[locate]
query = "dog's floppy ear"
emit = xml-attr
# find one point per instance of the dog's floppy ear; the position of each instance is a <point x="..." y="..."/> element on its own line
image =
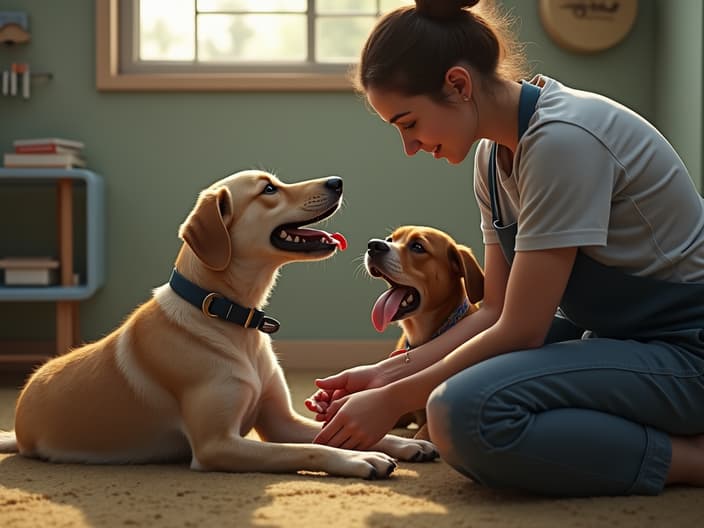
<point x="205" y="230"/>
<point x="467" y="265"/>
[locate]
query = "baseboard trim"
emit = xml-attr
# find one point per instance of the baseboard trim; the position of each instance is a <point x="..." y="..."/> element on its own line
<point x="331" y="355"/>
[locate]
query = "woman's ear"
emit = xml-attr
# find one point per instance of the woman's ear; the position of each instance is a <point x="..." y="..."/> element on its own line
<point x="458" y="81"/>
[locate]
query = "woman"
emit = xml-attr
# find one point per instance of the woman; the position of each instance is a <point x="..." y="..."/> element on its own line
<point x="588" y="213"/>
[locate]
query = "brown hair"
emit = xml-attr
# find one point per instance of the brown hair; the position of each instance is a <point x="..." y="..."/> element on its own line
<point x="410" y="49"/>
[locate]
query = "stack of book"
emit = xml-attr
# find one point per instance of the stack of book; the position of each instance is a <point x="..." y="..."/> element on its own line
<point x="45" y="152"/>
<point x="29" y="271"/>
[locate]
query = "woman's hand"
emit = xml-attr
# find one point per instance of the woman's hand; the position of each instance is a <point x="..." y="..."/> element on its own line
<point x="342" y="384"/>
<point x="359" y="421"/>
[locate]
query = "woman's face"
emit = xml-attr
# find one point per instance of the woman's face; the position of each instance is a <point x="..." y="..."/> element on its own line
<point x="445" y="130"/>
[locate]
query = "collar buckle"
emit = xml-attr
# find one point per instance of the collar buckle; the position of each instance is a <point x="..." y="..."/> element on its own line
<point x="207" y="301"/>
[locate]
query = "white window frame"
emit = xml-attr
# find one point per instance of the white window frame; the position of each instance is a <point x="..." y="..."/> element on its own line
<point x="110" y="76"/>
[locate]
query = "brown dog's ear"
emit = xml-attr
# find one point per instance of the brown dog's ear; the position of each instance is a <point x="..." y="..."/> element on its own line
<point x="205" y="230"/>
<point x="471" y="271"/>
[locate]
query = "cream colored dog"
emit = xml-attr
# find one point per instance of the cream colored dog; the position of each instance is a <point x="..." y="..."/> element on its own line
<point x="189" y="374"/>
<point x="433" y="283"/>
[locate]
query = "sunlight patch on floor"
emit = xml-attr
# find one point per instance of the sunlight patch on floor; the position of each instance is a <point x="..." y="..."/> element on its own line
<point x="355" y="502"/>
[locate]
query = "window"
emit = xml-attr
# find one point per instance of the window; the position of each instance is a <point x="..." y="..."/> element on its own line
<point x="232" y="44"/>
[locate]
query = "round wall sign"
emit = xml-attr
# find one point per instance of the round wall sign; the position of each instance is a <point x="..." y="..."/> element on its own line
<point x="588" y="26"/>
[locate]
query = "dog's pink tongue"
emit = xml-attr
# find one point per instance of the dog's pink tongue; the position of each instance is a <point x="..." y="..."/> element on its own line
<point x="386" y="307"/>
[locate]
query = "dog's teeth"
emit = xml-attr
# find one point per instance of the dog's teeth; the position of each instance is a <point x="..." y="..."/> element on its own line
<point x="297" y="239"/>
<point x="409" y="299"/>
<point x="289" y="238"/>
<point x="404" y="303"/>
<point x="283" y="234"/>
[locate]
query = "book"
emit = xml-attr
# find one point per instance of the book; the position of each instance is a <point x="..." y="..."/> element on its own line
<point x="46" y="148"/>
<point x="59" y="142"/>
<point x="31" y="277"/>
<point x="64" y="160"/>
<point x="30" y="271"/>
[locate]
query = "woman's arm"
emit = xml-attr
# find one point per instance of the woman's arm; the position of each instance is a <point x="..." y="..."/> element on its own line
<point x="534" y="289"/>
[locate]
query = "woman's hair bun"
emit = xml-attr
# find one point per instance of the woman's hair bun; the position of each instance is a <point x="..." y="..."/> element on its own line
<point x="443" y="9"/>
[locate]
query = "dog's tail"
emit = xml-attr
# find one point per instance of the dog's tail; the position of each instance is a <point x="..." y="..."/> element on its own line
<point x="8" y="442"/>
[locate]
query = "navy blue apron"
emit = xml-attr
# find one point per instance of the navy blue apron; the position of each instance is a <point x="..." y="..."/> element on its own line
<point x="605" y="300"/>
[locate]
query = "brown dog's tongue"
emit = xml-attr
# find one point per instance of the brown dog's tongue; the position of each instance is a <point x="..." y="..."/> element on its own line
<point x="386" y="307"/>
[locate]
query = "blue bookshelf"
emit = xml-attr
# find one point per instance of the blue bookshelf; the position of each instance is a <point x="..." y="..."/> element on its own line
<point x="94" y="235"/>
<point x="66" y="295"/>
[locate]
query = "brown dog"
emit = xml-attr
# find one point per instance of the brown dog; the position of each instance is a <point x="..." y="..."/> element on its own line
<point x="192" y="370"/>
<point x="434" y="282"/>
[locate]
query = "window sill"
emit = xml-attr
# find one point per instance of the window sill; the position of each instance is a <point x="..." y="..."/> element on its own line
<point x="219" y="82"/>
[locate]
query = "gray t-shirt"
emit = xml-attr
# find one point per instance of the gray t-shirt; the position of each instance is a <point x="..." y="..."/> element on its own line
<point x="591" y="173"/>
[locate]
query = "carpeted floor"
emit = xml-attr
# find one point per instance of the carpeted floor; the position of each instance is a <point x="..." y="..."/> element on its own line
<point x="37" y="494"/>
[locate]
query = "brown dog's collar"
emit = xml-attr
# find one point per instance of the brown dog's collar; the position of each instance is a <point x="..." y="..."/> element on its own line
<point x="218" y="306"/>
<point x="451" y="321"/>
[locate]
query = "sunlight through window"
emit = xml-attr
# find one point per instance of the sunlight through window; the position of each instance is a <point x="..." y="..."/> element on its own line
<point x="236" y="33"/>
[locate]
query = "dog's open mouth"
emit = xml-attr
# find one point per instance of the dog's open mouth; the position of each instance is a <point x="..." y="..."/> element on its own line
<point x="295" y="237"/>
<point x="394" y="304"/>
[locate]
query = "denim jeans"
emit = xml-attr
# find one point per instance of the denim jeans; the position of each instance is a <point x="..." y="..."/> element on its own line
<point x="579" y="417"/>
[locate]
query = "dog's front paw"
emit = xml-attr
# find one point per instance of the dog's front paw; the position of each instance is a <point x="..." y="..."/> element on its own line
<point x="407" y="449"/>
<point x="369" y="465"/>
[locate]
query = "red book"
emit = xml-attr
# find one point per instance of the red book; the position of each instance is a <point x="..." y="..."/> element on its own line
<point x="43" y="149"/>
<point x="23" y="145"/>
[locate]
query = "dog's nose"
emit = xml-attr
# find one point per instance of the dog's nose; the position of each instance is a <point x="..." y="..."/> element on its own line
<point x="376" y="246"/>
<point x="334" y="183"/>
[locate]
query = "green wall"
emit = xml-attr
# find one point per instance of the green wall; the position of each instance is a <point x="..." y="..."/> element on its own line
<point x="678" y="103"/>
<point x="157" y="150"/>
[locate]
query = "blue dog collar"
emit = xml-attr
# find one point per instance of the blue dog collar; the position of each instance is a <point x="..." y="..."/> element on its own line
<point x="218" y="306"/>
